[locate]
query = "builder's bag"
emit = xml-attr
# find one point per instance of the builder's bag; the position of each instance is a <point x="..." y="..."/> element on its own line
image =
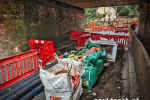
<point x="63" y="81"/>
<point x="90" y="75"/>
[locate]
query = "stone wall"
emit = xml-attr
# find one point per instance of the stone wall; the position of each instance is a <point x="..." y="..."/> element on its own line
<point x="144" y="26"/>
<point x="21" y="20"/>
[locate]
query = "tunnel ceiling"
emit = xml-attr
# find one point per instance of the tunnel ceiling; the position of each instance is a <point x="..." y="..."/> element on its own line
<point x="99" y="3"/>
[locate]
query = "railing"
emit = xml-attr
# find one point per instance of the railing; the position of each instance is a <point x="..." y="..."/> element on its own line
<point x="142" y="66"/>
<point x="17" y="67"/>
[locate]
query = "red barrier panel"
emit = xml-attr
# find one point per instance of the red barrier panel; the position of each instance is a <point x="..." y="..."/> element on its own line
<point x="136" y="24"/>
<point x="122" y="41"/>
<point x="74" y="34"/>
<point x="81" y="41"/>
<point x="102" y="28"/>
<point x="45" y="49"/>
<point x="36" y="44"/>
<point x="122" y="29"/>
<point x="16" y="67"/>
<point x="77" y="34"/>
<point x="46" y="52"/>
<point x="109" y="28"/>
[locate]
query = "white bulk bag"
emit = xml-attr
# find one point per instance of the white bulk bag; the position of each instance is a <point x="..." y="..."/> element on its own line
<point x="64" y="86"/>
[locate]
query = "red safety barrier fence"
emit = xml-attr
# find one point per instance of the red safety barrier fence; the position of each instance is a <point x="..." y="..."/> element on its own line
<point x="122" y="41"/>
<point x="136" y="24"/>
<point x="36" y="44"/>
<point x="77" y="34"/>
<point x="121" y="29"/>
<point x="111" y="28"/>
<point x="45" y="49"/>
<point x="46" y="52"/>
<point x="16" y="67"/>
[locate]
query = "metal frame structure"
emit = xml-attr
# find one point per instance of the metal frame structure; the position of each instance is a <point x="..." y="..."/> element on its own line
<point x="108" y="43"/>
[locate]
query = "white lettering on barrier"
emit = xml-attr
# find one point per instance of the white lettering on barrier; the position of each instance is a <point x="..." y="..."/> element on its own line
<point x="42" y="41"/>
<point x="36" y="41"/>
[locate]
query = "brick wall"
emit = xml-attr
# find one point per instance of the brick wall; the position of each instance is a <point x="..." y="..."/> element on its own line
<point x="21" y="20"/>
<point x="144" y="26"/>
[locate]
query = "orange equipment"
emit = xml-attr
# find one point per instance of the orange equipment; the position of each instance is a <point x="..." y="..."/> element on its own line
<point x="93" y="22"/>
<point x="132" y="22"/>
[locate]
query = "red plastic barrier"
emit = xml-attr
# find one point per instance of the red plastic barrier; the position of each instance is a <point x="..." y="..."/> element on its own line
<point x="110" y="28"/>
<point x="74" y="34"/>
<point x="90" y="26"/>
<point x="46" y="52"/>
<point x="136" y="24"/>
<point x="16" y="67"/>
<point x="36" y="44"/>
<point x="102" y="28"/>
<point x="122" y="29"/>
<point x="81" y="41"/>
<point x="122" y="41"/>
<point x="45" y="48"/>
<point x="95" y="34"/>
<point x="77" y="34"/>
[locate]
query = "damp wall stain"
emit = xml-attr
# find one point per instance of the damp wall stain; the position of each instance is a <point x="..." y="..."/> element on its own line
<point x="21" y="20"/>
<point x="144" y="26"/>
